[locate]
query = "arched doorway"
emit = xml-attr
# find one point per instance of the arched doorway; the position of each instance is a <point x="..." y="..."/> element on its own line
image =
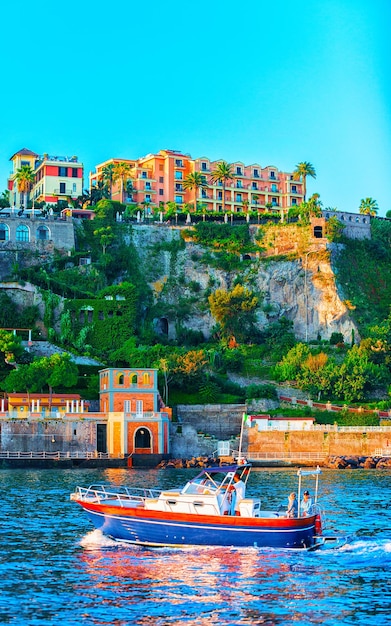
<point x="142" y="440"/>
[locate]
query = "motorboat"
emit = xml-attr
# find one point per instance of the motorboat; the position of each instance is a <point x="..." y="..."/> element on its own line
<point x="206" y="511"/>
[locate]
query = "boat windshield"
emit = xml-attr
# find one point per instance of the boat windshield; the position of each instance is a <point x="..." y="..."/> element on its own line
<point x="213" y="480"/>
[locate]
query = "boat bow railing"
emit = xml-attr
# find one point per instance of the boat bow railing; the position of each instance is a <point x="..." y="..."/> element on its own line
<point x="124" y="496"/>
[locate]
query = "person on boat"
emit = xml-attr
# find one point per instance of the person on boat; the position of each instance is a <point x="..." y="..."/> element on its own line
<point x="306" y="504"/>
<point x="292" y="506"/>
<point x="238" y="494"/>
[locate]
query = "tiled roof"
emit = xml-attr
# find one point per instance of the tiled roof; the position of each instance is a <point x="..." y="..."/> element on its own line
<point x="24" y="152"/>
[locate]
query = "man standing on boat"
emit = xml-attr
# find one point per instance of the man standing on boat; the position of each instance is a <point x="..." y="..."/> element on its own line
<point x="239" y="492"/>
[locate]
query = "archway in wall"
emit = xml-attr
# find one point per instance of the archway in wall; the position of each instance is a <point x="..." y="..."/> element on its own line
<point x="142" y="440"/>
<point x="318" y="232"/>
<point x="246" y="257"/>
<point x="163" y="325"/>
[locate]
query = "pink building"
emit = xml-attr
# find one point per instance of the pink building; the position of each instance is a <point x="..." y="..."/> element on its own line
<point x="158" y="179"/>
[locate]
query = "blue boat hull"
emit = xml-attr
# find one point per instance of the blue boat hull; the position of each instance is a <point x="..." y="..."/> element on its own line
<point x="204" y="532"/>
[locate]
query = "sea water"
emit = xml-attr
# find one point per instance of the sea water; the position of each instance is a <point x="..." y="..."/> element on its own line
<point x="56" y="569"/>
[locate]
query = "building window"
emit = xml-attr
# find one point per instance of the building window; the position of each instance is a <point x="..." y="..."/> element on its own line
<point x="74" y="172"/>
<point x="238" y="197"/>
<point x="178" y="175"/>
<point x="147" y="197"/>
<point x="74" y="187"/>
<point x="204" y="166"/>
<point x="179" y="199"/>
<point x="62" y="188"/>
<point x="294" y="189"/>
<point x="42" y="233"/>
<point x="274" y="202"/>
<point x="239" y="184"/>
<point x="22" y="233"/>
<point x="148" y="186"/>
<point x="133" y="379"/>
<point x="161" y="179"/>
<point x="144" y="175"/>
<point x="4" y="232"/>
<point x="239" y="171"/>
<point x="274" y="188"/>
<point x="294" y="201"/>
<point x="255" y="185"/>
<point x="203" y="193"/>
<point x="121" y="379"/>
<point x="272" y="174"/>
<point x="161" y="192"/>
<point x="219" y="195"/>
<point x="178" y="187"/>
<point x="256" y="173"/>
<point x="178" y="163"/>
<point x="63" y="171"/>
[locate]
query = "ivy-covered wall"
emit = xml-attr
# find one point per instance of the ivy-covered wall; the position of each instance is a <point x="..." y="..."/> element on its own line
<point x="104" y="324"/>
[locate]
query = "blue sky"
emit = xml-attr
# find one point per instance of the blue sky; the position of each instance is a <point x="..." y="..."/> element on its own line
<point x="279" y="83"/>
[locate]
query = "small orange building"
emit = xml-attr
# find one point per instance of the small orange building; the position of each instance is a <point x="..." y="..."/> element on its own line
<point x="137" y="420"/>
<point x="44" y="404"/>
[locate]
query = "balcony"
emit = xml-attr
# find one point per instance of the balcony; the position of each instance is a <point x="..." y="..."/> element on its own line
<point x="67" y="192"/>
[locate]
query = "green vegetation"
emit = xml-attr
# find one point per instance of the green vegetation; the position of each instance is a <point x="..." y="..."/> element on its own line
<point x="363" y="270"/>
<point x="132" y="307"/>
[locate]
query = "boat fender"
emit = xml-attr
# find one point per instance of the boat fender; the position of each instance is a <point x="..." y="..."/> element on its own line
<point x="318" y="525"/>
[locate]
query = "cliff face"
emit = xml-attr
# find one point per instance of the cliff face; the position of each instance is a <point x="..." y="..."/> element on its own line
<point x="303" y="290"/>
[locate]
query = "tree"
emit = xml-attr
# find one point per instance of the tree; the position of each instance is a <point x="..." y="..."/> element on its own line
<point x="301" y="172"/>
<point x="25" y="178"/>
<point x="121" y="173"/>
<point x="222" y="173"/>
<point x="100" y="191"/>
<point x="196" y="181"/>
<point x="368" y="206"/>
<point x="107" y="177"/>
<point x="10" y="345"/>
<point x="105" y="237"/>
<point x="4" y="199"/>
<point x="234" y="310"/>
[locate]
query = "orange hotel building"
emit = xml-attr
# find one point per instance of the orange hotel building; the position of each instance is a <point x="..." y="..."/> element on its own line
<point x="158" y="179"/>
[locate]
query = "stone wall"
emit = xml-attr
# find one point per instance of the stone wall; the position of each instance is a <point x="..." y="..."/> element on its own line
<point x="47" y="435"/>
<point x="327" y="443"/>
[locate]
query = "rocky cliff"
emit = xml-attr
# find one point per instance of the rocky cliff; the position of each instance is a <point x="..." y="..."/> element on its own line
<point x="303" y="289"/>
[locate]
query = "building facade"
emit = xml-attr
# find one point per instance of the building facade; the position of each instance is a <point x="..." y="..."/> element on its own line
<point x="159" y="178"/>
<point x="137" y="420"/>
<point x="132" y="419"/>
<point x="56" y="178"/>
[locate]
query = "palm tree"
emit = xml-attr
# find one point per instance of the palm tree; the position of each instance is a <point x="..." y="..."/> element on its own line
<point x="121" y="172"/>
<point x="25" y="178"/>
<point x="107" y="177"/>
<point x="196" y="181"/>
<point x="222" y="173"/>
<point x="368" y="206"/>
<point x="301" y="172"/>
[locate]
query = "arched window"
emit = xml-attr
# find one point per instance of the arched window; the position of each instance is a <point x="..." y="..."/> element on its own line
<point x="318" y="232"/>
<point x="133" y="379"/>
<point x="142" y="438"/>
<point x="22" y="233"/>
<point x="42" y="233"/>
<point x="4" y="232"/>
<point x="146" y="378"/>
<point x="121" y="379"/>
